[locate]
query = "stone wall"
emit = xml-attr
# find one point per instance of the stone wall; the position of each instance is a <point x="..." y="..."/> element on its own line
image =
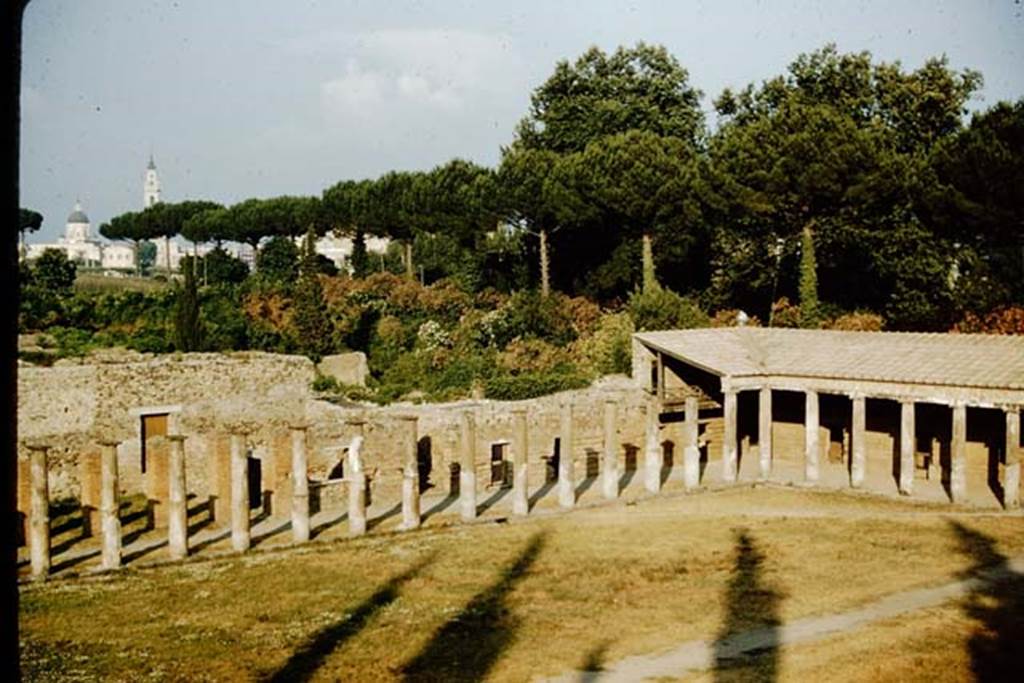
<point x="70" y="407"/>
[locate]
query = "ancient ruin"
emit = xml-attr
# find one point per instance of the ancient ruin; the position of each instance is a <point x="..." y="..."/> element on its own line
<point x="926" y="415"/>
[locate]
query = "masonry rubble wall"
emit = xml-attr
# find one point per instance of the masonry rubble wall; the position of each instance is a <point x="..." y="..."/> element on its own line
<point x="70" y="407"/>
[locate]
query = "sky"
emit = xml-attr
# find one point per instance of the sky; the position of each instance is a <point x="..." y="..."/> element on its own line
<point x="259" y="98"/>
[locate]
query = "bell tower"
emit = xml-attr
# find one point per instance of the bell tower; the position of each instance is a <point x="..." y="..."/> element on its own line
<point x="151" y="188"/>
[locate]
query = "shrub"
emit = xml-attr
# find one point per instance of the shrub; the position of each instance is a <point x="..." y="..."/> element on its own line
<point x="662" y="309"/>
<point x="858" y="321"/>
<point x="1006" y="320"/>
<point x="533" y="384"/>
<point x="609" y="350"/>
<point x="784" y="314"/>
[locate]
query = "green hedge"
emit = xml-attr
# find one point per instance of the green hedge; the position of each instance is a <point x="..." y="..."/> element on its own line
<point x="532" y="385"/>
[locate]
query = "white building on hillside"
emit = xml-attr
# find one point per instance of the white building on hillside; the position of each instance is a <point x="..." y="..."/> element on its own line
<point x="79" y="244"/>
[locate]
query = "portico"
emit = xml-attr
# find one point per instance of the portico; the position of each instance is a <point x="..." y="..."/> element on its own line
<point x="924" y="414"/>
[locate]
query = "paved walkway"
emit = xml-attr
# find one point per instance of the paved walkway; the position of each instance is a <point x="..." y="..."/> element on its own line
<point x="701" y="655"/>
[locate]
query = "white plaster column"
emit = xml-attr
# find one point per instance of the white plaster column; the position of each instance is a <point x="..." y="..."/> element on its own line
<point x="653" y="456"/>
<point x="467" y="465"/>
<point x="610" y="466"/>
<point x="764" y="431"/>
<point x="300" y="485"/>
<point x="858" y="462"/>
<point x="177" y="504"/>
<point x="1011" y="469"/>
<point x="691" y="452"/>
<point x="729" y="458"/>
<point x="356" y="487"/>
<point x="110" y="505"/>
<point x="240" y="529"/>
<point x="811" y="438"/>
<point x="566" y="482"/>
<point x="958" y="455"/>
<point x="39" y="513"/>
<point x="410" y="476"/>
<point x="520" y="464"/>
<point x="907" y="447"/>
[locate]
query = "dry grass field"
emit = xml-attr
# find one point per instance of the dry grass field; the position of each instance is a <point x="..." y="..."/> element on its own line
<point x="515" y="601"/>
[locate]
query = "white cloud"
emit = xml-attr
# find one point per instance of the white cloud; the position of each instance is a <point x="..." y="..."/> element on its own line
<point x="443" y="71"/>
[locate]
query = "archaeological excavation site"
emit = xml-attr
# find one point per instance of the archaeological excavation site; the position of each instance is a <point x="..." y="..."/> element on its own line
<point x="214" y="448"/>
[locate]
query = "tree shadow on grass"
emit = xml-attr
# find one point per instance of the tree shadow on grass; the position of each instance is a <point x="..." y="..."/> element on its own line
<point x="468" y="645"/>
<point x="593" y="662"/>
<point x="995" y="603"/>
<point x="748" y="641"/>
<point x="311" y="655"/>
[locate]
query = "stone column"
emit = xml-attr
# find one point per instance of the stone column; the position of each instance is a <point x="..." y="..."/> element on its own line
<point x="356" y="487"/>
<point x="280" y="471"/>
<point x="300" y="486"/>
<point x="691" y="452"/>
<point x="610" y="466"/>
<point x="39" y="513"/>
<point x="157" y="451"/>
<point x="218" y="448"/>
<point x="958" y="455"/>
<point x="652" y="448"/>
<point x="811" y="438"/>
<point x="907" y="447"/>
<point x="764" y="432"/>
<point x="566" y="483"/>
<point x="240" y="530"/>
<point x="410" y="476"/>
<point x="177" y="502"/>
<point x="24" y="499"/>
<point x="89" y="486"/>
<point x="467" y="465"/>
<point x="1011" y="470"/>
<point x="729" y="461"/>
<point x="520" y="464"/>
<point x="110" y="505"/>
<point x="858" y="462"/>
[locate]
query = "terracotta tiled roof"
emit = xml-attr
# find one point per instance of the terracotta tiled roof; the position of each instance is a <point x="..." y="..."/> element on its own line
<point x="968" y="360"/>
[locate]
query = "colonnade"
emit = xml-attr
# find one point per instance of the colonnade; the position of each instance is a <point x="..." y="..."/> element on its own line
<point x="858" y="454"/>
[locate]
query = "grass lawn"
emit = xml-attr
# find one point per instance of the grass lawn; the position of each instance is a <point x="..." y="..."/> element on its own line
<point x="513" y="601"/>
<point x="96" y="282"/>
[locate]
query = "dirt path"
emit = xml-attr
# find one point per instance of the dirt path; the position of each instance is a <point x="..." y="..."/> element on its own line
<point x="700" y="655"/>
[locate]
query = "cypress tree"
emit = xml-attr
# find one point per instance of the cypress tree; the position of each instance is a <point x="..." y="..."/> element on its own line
<point x="188" y="330"/>
<point x="810" y="312"/>
<point x="360" y="258"/>
<point x="311" y="319"/>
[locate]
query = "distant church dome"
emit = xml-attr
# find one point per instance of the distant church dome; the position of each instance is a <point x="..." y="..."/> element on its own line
<point x="78" y="216"/>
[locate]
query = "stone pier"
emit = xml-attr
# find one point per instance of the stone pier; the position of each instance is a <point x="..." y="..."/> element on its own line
<point x="39" y="512"/>
<point x="729" y="454"/>
<point x="89" y="496"/>
<point x="653" y="454"/>
<point x="241" y="537"/>
<point x="908" y="443"/>
<point x="300" y="485"/>
<point x="218" y="450"/>
<point x="811" y="438"/>
<point x="24" y="498"/>
<point x="764" y="432"/>
<point x="610" y="466"/>
<point x="157" y="453"/>
<point x="566" y="479"/>
<point x="467" y="465"/>
<point x="410" y="475"/>
<point x="958" y="455"/>
<point x="520" y="464"/>
<point x="1011" y="471"/>
<point x="356" y="487"/>
<point x="691" y="451"/>
<point x="859" y="445"/>
<point x="110" y="505"/>
<point x="177" y="500"/>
